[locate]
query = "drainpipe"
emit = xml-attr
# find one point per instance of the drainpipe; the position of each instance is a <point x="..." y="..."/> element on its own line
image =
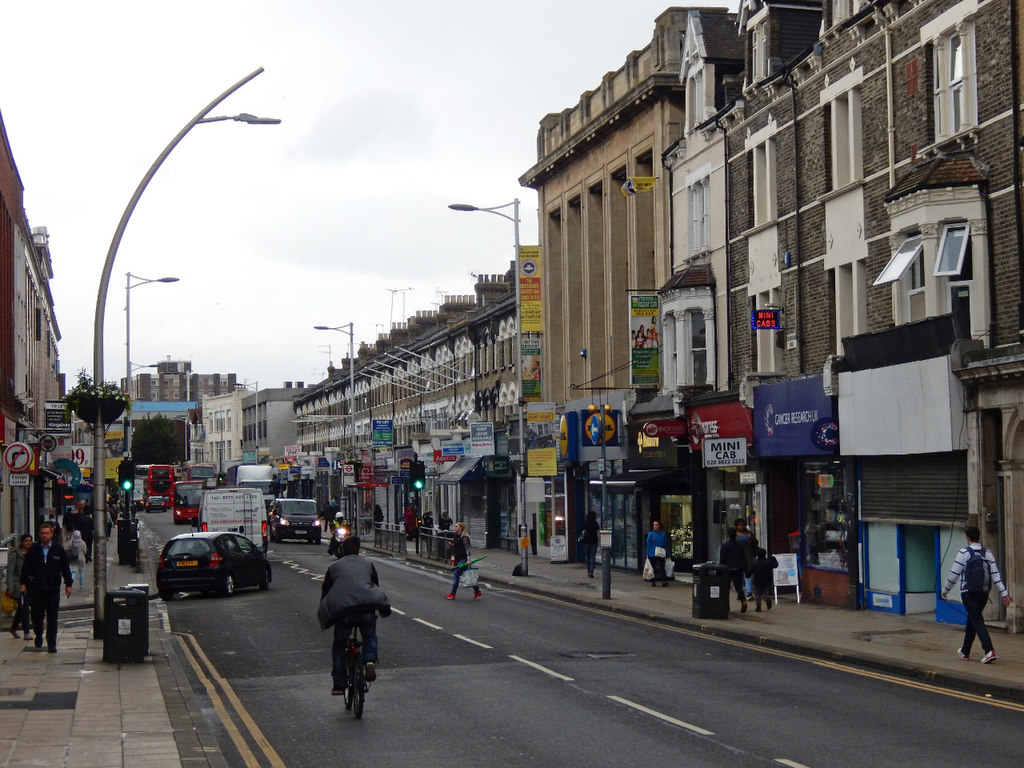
<point x="720" y="126"/>
<point x="1017" y="202"/>
<point x="788" y="80"/>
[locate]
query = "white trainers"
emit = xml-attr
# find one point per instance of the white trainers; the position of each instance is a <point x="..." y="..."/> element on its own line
<point x="962" y="655"/>
<point x="988" y="658"/>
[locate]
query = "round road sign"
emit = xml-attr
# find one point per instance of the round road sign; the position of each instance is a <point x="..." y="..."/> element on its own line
<point x="48" y="443"/>
<point x="18" y="457"/>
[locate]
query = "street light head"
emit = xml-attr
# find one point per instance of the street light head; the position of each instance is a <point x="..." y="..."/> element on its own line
<point x="245" y="117"/>
<point x="321" y="328"/>
<point x="166" y="280"/>
<point x="463" y="207"/>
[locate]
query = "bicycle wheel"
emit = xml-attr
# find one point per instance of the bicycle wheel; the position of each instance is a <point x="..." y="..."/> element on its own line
<point x="359" y="685"/>
<point x="350" y="685"/>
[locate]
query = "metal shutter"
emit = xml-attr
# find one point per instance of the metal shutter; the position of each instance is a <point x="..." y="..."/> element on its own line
<point x="928" y="488"/>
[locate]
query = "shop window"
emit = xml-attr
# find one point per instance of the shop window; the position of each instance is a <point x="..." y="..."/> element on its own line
<point x="828" y="516"/>
<point x="676" y="515"/>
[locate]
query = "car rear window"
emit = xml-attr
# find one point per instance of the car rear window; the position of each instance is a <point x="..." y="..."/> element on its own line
<point x="192" y="547"/>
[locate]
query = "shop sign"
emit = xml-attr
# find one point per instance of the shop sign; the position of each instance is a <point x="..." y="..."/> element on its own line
<point x="452" y="449"/>
<point x="795" y="418"/>
<point x="440" y="457"/>
<point x="481" y="438"/>
<point x="730" y="419"/>
<point x="647" y="452"/>
<point x="568" y="437"/>
<point x="497" y="466"/>
<point x="725" y="452"/>
<point x="665" y="428"/>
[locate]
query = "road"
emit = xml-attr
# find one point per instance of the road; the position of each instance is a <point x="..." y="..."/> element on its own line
<point x="517" y="679"/>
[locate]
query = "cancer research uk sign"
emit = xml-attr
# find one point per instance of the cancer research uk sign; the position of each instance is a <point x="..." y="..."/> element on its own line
<point x="795" y="418"/>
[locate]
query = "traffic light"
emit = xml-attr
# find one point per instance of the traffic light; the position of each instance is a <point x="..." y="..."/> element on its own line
<point x="417" y="475"/>
<point x="126" y="475"/>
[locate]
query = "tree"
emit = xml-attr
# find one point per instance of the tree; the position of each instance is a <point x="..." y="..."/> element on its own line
<point x="154" y="441"/>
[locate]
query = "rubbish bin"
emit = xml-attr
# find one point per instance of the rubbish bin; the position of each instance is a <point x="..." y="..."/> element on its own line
<point x="126" y="624"/>
<point x="127" y="541"/>
<point x="710" y="591"/>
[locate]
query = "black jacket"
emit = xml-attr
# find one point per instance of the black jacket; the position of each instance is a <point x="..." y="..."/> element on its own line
<point x="45" y="576"/>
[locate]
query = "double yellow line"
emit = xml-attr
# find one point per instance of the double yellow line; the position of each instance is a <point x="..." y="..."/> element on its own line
<point x="218" y="689"/>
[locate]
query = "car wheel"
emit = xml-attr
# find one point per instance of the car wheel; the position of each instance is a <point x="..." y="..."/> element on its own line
<point x="228" y="587"/>
<point x="265" y="584"/>
<point x="166" y="594"/>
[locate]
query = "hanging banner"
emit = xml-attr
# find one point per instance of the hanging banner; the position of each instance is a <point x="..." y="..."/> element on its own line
<point x="542" y="462"/>
<point x="644" y="341"/>
<point x="530" y="320"/>
<point x="532" y="374"/>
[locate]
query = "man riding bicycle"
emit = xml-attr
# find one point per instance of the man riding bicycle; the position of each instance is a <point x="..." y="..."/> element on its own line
<point x="351" y="597"/>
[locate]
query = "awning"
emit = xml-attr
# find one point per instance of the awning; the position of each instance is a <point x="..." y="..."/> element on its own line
<point x="637" y="476"/>
<point x="466" y="470"/>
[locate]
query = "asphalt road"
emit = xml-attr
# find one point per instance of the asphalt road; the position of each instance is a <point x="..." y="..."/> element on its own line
<point x="515" y="679"/>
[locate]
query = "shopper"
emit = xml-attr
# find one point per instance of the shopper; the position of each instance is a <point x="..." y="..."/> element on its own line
<point x="733" y="557"/>
<point x="761" y="578"/>
<point x="15" y="562"/>
<point x="977" y="571"/>
<point x="460" y="556"/>
<point x="589" y="538"/>
<point x="46" y="565"/>
<point x="77" y="557"/>
<point x="656" y="549"/>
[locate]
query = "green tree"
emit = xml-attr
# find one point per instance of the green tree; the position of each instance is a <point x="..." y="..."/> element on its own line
<point x="154" y="441"/>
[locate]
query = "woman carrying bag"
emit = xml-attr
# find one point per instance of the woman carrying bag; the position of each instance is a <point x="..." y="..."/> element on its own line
<point x="656" y="551"/>
<point x="15" y="561"/>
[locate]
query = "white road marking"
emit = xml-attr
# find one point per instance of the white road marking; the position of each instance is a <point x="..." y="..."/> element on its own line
<point x="470" y="640"/>
<point x="395" y="610"/>
<point x="790" y="763"/>
<point x="545" y="670"/>
<point x="428" y="624"/>
<point x="661" y="716"/>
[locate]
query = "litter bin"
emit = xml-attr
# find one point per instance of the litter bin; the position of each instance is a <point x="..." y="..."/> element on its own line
<point x="127" y="541"/>
<point x="126" y="624"/>
<point x="710" y="591"/>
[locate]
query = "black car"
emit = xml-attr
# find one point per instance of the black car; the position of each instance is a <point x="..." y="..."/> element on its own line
<point x="158" y="504"/>
<point x="294" y="519"/>
<point x="210" y="562"/>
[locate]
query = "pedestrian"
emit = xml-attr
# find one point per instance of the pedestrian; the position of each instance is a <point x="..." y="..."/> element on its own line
<point x="589" y="538"/>
<point x="46" y="565"/>
<point x="15" y="562"/>
<point x="351" y="596"/>
<point x="657" y="550"/>
<point x="976" y="568"/>
<point x="86" y="527"/>
<point x="410" y="523"/>
<point x="761" y="577"/>
<point x="460" y="556"/>
<point x="428" y="520"/>
<point x="733" y="557"/>
<point x="77" y="557"/>
<point x="444" y="523"/>
<point x="378" y="516"/>
<point x="749" y="542"/>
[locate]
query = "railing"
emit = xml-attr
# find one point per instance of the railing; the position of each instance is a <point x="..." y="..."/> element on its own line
<point x="390" y="537"/>
<point x="433" y="544"/>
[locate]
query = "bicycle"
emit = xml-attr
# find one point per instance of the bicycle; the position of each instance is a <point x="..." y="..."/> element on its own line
<point x="356" y="687"/>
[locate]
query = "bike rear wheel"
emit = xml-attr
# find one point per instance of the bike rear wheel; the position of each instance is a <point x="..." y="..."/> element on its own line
<point x="357" y="684"/>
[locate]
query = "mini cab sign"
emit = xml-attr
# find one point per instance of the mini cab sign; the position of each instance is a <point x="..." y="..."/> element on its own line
<point x="766" y="319"/>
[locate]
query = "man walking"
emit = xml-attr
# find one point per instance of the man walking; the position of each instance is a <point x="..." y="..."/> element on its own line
<point x="976" y="568"/>
<point x="46" y="564"/>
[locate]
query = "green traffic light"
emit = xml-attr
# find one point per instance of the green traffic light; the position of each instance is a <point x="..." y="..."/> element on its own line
<point x="126" y="485"/>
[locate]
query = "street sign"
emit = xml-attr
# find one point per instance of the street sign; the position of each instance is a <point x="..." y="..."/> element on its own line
<point x="18" y="457"/>
<point x="16" y="480"/>
<point x="48" y="443"/>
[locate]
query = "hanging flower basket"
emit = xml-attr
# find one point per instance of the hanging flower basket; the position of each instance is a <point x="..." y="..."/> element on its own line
<point x="91" y="402"/>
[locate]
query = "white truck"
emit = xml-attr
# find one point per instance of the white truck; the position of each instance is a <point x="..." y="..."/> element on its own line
<point x="238" y="510"/>
<point x="259" y="476"/>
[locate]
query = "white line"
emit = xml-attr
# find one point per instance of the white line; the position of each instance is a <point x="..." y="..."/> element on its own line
<point x="545" y="670"/>
<point x="395" y="610"/>
<point x="428" y="624"/>
<point x="469" y="640"/>
<point x="790" y="763"/>
<point x="660" y="716"/>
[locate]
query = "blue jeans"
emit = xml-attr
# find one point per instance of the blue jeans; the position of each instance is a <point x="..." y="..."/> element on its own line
<point x="590" y="553"/>
<point x="974" y="604"/>
<point x="367" y="623"/>
<point x="456" y="575"/>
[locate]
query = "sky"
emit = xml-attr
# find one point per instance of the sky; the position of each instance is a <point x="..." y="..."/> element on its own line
<point x="390" y="111"/>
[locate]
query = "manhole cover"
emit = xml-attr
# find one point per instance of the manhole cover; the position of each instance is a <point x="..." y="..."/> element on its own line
<point x="597" y="655"/>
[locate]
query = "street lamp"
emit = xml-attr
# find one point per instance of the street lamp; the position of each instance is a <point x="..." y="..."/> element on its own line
<point x="127" y="439"/>
<point x="99" y="464"/>
<point x="350" y="330"/>
<point x="520" y="500"/>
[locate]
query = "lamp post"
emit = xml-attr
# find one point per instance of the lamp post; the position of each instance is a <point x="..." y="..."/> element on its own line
<point x="98" y="451"/>
<point x="348" y="328"/>
<point x="127" y="440"/>
<point x="520" y="496"/>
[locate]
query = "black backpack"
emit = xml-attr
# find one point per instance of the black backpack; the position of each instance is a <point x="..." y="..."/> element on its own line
<point x="976" y="575"/>
<point x="72" y="552"/>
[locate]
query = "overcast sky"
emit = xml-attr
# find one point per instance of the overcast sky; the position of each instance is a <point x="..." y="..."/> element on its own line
<point x="390" y="111"/>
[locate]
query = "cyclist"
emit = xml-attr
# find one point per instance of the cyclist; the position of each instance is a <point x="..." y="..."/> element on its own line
<point x="351" y="596"/>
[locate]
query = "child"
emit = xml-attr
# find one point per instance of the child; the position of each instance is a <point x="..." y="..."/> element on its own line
<point x="761" y="573"/>
<point x="76" y="557"/>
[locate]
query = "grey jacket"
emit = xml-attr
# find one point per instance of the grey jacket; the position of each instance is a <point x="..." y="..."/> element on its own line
<point x="350" y="586"/>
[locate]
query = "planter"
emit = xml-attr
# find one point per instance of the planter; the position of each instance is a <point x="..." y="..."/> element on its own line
<point x="109" y="409"/>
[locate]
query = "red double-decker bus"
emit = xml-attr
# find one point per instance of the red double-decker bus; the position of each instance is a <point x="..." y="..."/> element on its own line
<point x="160" y="480"/>
<point x="187" y="496"/>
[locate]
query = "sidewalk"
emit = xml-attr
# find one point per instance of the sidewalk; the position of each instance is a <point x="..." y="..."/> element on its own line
<point x="910" y="646"/>
<point x="71" y="708"/>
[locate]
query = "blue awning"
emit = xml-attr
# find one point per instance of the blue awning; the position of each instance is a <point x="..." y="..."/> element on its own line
<point x="466" y="470"/>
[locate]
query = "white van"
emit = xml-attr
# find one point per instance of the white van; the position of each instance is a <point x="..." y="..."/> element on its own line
<point x="238" y="510"/>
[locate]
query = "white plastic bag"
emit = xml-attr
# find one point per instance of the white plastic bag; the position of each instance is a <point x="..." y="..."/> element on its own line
<point x="670" y="567"/>
<point x="469" y="577"/>
<point x="648" y="573"/>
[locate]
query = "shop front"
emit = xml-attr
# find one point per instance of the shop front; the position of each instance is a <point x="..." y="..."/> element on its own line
<point x="811" y="501"/>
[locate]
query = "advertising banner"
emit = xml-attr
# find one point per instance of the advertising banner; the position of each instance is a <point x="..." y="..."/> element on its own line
<point x="382" y="433"/>
<point x="795" y="418"/>
<point x="530" y="318"/>
<point x="644" y="341"/>
<point x="532" y="374"/>
<point x="481" y="438"/>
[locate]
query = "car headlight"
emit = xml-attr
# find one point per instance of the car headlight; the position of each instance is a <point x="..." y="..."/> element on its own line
<point x="282" y="521"/>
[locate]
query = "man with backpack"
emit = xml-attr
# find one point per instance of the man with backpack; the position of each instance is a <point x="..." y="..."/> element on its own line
<point x="976" y="568"/>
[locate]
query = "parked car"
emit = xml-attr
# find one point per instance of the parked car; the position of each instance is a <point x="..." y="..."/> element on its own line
<point x="206" y="562"/>
<point x="294" y="519"/>
<point x="158" y="504"/>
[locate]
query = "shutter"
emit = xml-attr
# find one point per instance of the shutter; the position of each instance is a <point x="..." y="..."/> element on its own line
<point x="929" y="489"/>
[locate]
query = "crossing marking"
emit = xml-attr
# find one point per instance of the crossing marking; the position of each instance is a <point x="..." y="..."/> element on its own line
<point x="661" y="716"/>
<point x="471" y="640"/>
<point x="541" y="668"/>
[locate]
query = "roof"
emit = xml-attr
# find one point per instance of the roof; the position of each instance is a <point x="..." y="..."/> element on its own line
<point x="960" y="169"/>
<point x="719" y="32"/>
<point x="691" y="277"/>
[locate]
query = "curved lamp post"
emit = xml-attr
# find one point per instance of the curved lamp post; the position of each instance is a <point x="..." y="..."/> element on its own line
<point x="524" y="527"/>
<point x="98" y="451"/>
